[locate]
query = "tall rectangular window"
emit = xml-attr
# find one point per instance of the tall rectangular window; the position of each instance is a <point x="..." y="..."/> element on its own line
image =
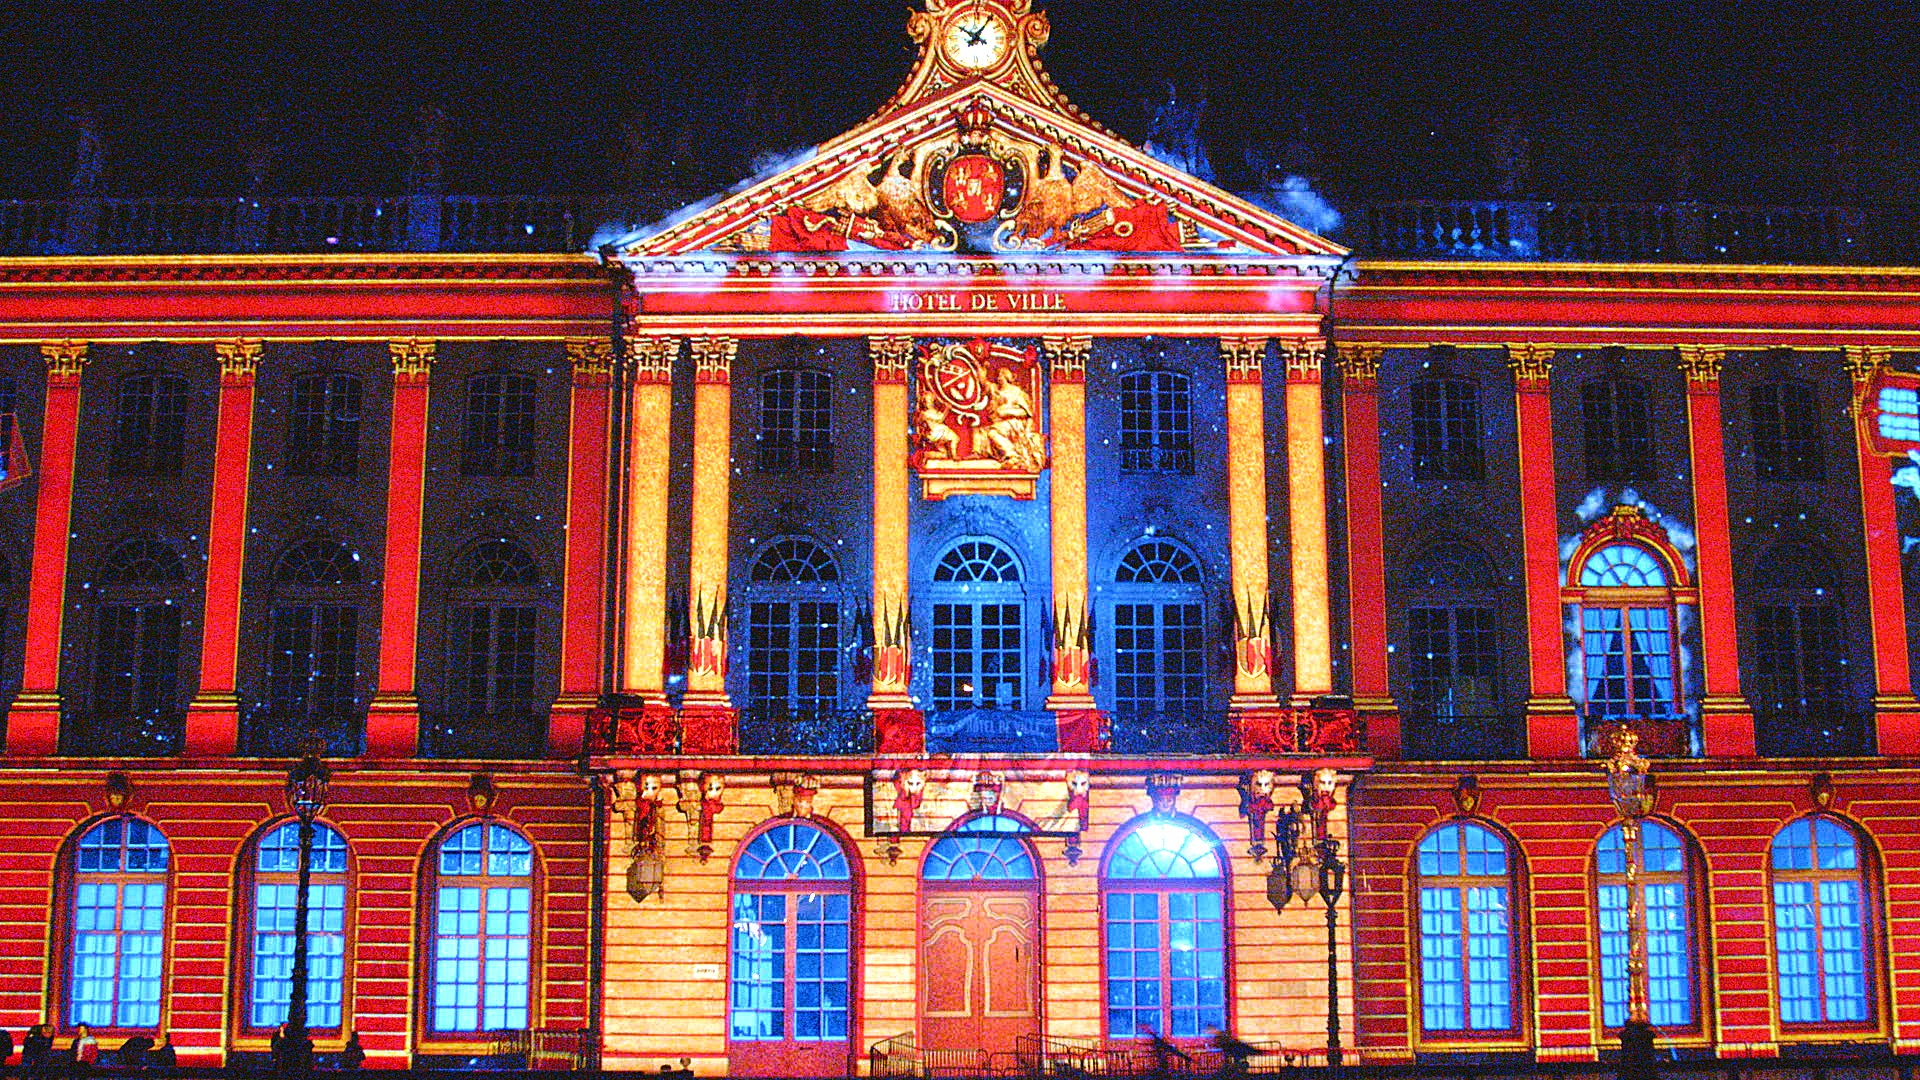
<point x="1446" y="431"/>
<point x="1159" y="658"/>
<point x="499" y="426"/>
<point x="1156" y="422"/>
<point x="1786" y="432"/>
<point x="1629" y="662"/>
<point x="323" y="430"/>
<point x="796" y="421"/>
<point x="793" y="655"/>
<point x="136" y="669"/>
<point x="275" y="906"/>
<point x="150" y="422"/>
<point x="493" y="668"/>
<point x="1801" y="666"/>
<point x="1454" y="666"/>
<point x="313" y="666"/>
<point x="1617" y="423"/>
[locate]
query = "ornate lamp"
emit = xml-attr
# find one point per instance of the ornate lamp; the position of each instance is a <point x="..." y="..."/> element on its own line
<point x="307" y="783"/>
<point x="1333" y="882"/>
<point x="1630" y="786"/>
<point x="307" y="796"/>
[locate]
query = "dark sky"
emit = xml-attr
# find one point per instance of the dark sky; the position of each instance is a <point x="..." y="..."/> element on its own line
<point x="1742" y="101"/>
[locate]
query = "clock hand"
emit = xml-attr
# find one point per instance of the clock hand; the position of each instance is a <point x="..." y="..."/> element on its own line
<point x="976" y="35"/>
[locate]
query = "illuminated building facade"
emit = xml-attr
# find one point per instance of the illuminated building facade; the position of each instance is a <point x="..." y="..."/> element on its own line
<point x="934" y="601"/>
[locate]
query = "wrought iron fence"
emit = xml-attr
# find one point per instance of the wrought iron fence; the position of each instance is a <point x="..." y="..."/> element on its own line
<point x="1196" y="731"/>
<point x="1813" y="733"/>
<point x="263" y="733"/>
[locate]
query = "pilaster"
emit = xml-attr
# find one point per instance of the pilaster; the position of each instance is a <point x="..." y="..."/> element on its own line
<point x="1896" y="712"/>
<point x="1726" y="720"/>
<point x="213" y="717"/>
<point x="1307" y="521"/>
<point x="707" y="716"/>
<point x="1072" y="697"/>
<point x="1553" y="729"/>
<point x="583" y="595"/>
<point x="393" y="718"/>
<point x="1366" y="544"/>
<point x="900" y="728"/>
<point x="1247" y="522"/>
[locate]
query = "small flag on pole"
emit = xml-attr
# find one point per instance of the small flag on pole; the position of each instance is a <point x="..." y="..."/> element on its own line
<point x="15" y="469"/>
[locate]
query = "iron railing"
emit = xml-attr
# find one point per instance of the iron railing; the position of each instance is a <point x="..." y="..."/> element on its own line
<point x="765" y="730"/>
<point x="118" y="735"/>
<point x="1196" y="731"/>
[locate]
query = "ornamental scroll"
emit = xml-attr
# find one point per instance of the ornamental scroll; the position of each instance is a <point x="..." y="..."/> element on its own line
<point x="976" y="426"/>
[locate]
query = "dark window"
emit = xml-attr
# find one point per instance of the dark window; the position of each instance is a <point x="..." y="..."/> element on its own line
<point x="1453" y="664"/>
<point x="979" y="622"/>
<point x="1156" y="422"/>
<point x="499" y="434"/>
<point x="136" y="672"/>
<point x="323" y="434"/>
<point x="1159" y="636"/>
<point x="1446" y="431"/>
<point x="149" y="429"/>
<point x="796" y="421"/>
<point x="1618" y="428"/>
<point x="793" y="630"/>
<point x="1799" y="679"/>
<point x="1786" y="432"/>
<point x="493" y="632"/>
<point x="313" y="648"/>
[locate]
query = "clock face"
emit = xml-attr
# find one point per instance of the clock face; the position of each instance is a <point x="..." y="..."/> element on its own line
<point x="976" y="42"/>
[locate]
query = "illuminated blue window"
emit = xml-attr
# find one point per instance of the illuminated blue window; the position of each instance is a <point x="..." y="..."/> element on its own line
<point x="979" y="629"/>
<point x="483" y="930"/>
<point x="1159" y="632"/>
<point x="986" y="848"/>
<point x="276" y="895"/>
<point x="1899" y="413"/>
<point x="1623" y="566"/>
<point x="1662" y="879"/>
<point x="793" y="630"/>
<point x="1466" y="933"/>
<point x="119" y="923"/>
<point x="1819" y="924"/>
<point x="792" y="938"/>
<point x="1627" y="641"/>
<point x="1164" y="896"/>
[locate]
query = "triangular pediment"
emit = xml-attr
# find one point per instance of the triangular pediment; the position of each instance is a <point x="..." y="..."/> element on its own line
<point x="978" y="154"/>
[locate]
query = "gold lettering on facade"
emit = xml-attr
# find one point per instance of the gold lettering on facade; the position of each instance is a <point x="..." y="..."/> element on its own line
<point x="1010" y="302"/>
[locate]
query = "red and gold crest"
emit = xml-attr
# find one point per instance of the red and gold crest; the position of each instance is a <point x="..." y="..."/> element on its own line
<point x="977" y="429"/>
<point x="973" y="187"/>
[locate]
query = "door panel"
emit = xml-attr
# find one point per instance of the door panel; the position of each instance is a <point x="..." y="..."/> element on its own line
<point x="979" y="970"/>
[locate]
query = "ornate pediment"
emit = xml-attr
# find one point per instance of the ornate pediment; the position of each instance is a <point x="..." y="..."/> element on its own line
<point x="979" y="154"/>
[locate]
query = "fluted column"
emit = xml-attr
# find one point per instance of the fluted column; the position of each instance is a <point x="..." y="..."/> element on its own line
<point x="1072" y="697"/>
<point x="1307" y="521"/>
<point x="643" y="640"/>
<point x="583" y="599"/>
<point x="33" y="723"/>
<point x="899" y="728"/>
<point x="1247" y="522"/>
<point x="393" y="720"/>
<point x="213" y="718"/>
<point x="1726" y="720"/>
<point x="1896" y="718"/>
<point x="1366" y="544"/>
<point x="1553" y="729"/>
<point x="706" y="715"/>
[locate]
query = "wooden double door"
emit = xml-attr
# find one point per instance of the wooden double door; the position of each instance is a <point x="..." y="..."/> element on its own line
<point x="979" y="967"/>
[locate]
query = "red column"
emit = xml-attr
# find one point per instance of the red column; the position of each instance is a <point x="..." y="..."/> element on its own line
<point x="1726" y="721"/>
<point x="583" y="603"/>
<point x="213" y="719"/>
<point x="1553" y="730"/>
<point x="1366" y="545"/>
<point x="1896" y="713"/>
<point x="393" y="720"/>
<point x="33" y="724"/>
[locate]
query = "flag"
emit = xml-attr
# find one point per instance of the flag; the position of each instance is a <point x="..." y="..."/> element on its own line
<point x="16" y="468"/>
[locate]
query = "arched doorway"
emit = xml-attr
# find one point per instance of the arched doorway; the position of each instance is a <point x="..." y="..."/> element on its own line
<point x="979" y="937"/>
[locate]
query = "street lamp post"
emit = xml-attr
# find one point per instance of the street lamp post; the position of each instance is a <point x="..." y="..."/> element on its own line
<point x="1333" y="876"/>
<point x="1315" y="868"/>
<point x="1630" y="785"/>
<point x="307" y="794"/>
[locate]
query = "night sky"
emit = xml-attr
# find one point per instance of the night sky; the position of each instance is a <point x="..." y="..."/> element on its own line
<point x="1757" y="101"/>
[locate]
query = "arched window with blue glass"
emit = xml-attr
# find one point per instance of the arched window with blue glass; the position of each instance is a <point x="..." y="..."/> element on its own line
<point x="1163" y="897"/>
<point x="1157" y="612"/>
<point x="1823" y="929"/>
<point x="790" y="982"/>
<point x="978" y="658"/>
<point x="1627" y="582"/>
<point x="1663" y="879"/>
<point x="979" y="933"/>
<point x="794" y="642"/>
<point x="482" y="930"/>
<point x="119" y="925"/>
<point x="276" y="895"/>
<point x="1465" y="882"/>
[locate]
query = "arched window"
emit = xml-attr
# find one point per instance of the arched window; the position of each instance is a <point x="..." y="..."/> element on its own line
<point x="498" y="440"/>
<point x="1626" y="591"/>
<point x="313" y="669"/>
<point x="119" y="925"/>
<point x="789" y="988"/>
<point x="1466" y="931"/>
<point x="793" y="631"/>
<point x="492" y="647"/>
<point x="323" y="425"/>
<point x="1821" y="924"/>
<point x="482" y="930"/>
<point x="1164" y="897"/>
<point x="1799" y="661"/>
<point x="276" y="896"/>
<point x="1453" y="639"/>
<point x="987" y="848"/>
<point x="796" y="421"/>
<point x="1617" y="425"/>
<point x="149" y="425"/>
<point x="979" y="628"/>
<point x="136" y="662"/>
<point x="1158" y="615"/>
<point x="1156" y="422"/>
<point x="1663" y="877"/>
<point x="1447" y="431"/>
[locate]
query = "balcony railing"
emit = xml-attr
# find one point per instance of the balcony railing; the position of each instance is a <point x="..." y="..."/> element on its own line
<point x="827" y="732"/>
<point x="119" y="735"/>
<point x="1189" y="732"/>
<point x="515" y="736"/>
<point x="264" y="734"/>
<point x="992" y="731"/>
<point x="1814" y="733"/>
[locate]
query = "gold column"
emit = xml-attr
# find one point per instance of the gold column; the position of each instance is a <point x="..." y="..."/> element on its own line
<point x="1247" y="521"/>
<point x="712" y="467"/>
<point x="892" y="660"/>
<point x="1307" y="521"/>
<point x="1067" y="408"/>
<point x="649" y="415"/>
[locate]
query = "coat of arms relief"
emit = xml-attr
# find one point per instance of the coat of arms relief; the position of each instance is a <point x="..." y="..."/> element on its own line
<point x="976" y="424"/>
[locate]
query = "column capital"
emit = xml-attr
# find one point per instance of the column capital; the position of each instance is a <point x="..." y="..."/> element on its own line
<point x="1531" y="364"/>
<point x="412" y="361"/>
<point x="1067" y="356"/>
<point x="713" y="359"/>
<point x="592" y="360"/>
<point x="1359" y="363"/>
<point x="1865" y="361"/>
<point x="1701" y="365"/>
<point x="1243" y="356"/>
<point x="239" y="360"/>
<point x="1306" y="357"/>
<point x="65" y="360"/>
<point x="892" y="357"/>
<point x="650" y="357"/>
